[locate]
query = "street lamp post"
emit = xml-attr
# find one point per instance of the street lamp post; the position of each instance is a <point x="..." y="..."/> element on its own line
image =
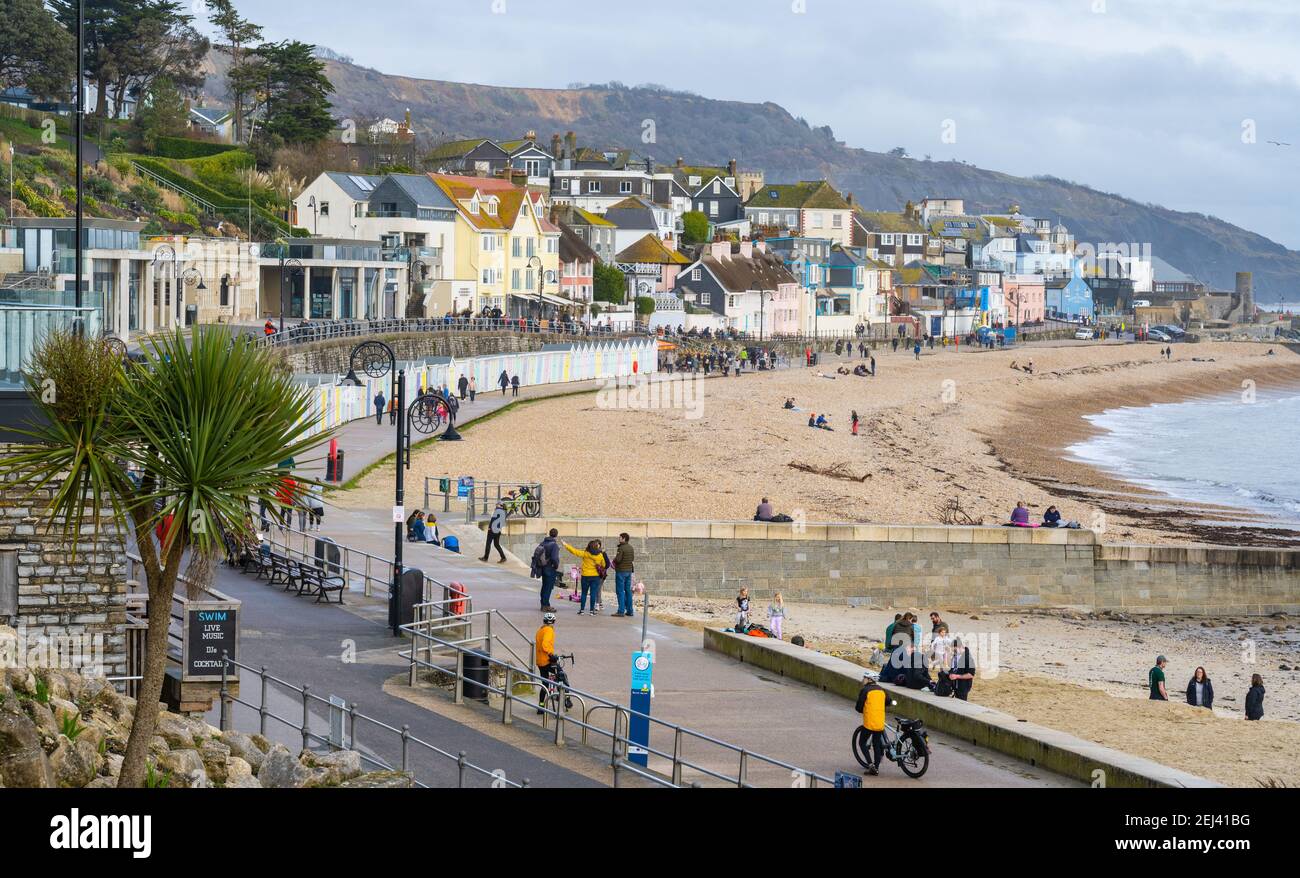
<point x="377" y="359"/>
<point x="180" y="277"/>
<point x="541" y="278"/>
<point x="81" y="109"/>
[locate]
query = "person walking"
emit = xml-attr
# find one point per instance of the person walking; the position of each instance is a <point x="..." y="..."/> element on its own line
<point x="316" y="503"/>
<point x="1156" y="680"/>
<point x="873" y="366"/>
<point x="855" y="422"/>
<point x="503" y="381"/>
<point x="392" y="411"/>
<point x="473" y="389"/>
<point x="514" y="384"/>
<point x="593" y="560"/>
<point x="893" y="343"/>
<point x="494" y="528"/>
<point x="624" y="556"/>
<point x="1200" y="691"/>
<point x="379" y="408"/>
<point x="463" y="386"/>
<point x="546" y="566"/>
<point x="1255" y="698"/>
<point x="916" y="349"/>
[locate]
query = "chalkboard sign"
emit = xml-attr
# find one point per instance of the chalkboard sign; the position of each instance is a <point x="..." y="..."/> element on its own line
<point x="210" y="630"/>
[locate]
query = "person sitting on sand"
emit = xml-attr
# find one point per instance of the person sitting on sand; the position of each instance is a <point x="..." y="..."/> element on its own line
<point x="1020" y="515"/>
<point x="1052" y="517"/>
<point x="1029" y="367"/>
<point x="812" y="419"/>
<point x="764" y="511"/>
<point x="822" y="423"/>
<point x="860" y="370"/>
<point x="789" y="403"/>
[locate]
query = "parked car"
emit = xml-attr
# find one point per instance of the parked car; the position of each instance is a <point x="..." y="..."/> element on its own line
<point x="1083" y="334"/>
<point x="1158" y="335"/>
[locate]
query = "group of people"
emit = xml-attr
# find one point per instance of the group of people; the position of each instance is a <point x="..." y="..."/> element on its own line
<point x="910" y="660"/>
<point x="1051" y="518"/>
<point x="595" y="565"/>
<point x="1200" y="689"/>
<point x="776" y="614"/>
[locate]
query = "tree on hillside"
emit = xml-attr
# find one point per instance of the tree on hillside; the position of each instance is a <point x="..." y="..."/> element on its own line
<point x="34" y="51"/>
<point x="295" y="100"/>
<point x="240" y="37"/>
<point x="695" y="227"/>
<point x="610" y="284"/>
<point x="161" y="113"/>
<point x="198" y="466"/>
<point x="131" y="43"/>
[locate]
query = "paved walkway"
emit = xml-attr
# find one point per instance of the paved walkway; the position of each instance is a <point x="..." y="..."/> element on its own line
<point x="703" y="691"/>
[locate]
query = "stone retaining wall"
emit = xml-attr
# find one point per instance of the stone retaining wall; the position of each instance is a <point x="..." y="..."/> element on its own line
<point x="949" y="567"/>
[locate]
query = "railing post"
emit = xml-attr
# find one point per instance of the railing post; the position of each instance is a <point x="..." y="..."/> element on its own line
<point x="744" y="769"/>
<point x="677" y="757"/>
<point x="411" y="674"/>
<point x="306" y="716"/>
<point x="458" y="693"/>
<point x="557" y="702"/>
<point x="225" y="693"/>
<point x="352" y="717"/>
<point x="261" y="708"/>
<point x="406" y="743"/>
<point x="460" y="770"/>
<point x="507" y="700"/>
<point x="618" y="773"/>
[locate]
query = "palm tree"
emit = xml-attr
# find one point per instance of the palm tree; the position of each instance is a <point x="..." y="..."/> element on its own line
<point x="195" y="432"/>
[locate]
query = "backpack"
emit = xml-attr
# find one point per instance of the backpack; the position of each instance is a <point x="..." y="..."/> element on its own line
<point x="539" y="561"/>
<point x="451" y="543"/>
<point x="781" y="518"/>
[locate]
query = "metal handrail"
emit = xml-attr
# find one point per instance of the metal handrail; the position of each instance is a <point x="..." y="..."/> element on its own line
<point x="308" y="736"/>
<point x="513" y="673"/>
<point x="323" y="330"/>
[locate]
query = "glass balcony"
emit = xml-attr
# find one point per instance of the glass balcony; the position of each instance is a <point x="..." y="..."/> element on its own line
<point x="23" y="326"/>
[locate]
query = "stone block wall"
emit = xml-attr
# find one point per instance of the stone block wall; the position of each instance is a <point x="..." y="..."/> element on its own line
<point x="950" y="567"/>
<point x="331" y="357"/>
<point x="65" y="589"/>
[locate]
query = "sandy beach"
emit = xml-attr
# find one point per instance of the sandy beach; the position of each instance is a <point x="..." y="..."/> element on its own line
<point x="1087" y="675"/>
<point x="964" y="427"/>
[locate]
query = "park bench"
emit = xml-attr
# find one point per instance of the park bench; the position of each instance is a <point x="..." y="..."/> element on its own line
<point x="317" y="582"/>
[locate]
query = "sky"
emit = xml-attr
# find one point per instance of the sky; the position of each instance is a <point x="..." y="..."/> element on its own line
<point x="1172" y="102"/>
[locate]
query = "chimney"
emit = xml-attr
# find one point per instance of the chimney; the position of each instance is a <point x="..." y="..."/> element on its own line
<point x="556" y="149"/>
<point x="849" y="198"/>
<point x="731" y="169"/>
<point x="720" y="250"/>
<point x="681" y="162"/>
<point x="571" y="145"/>
<point x="649" y="166"/>
<point x="746" y="249"/>
<point x="760" y="246"/>
<point x="530" y="135"/>
<point x="408" y="118"/>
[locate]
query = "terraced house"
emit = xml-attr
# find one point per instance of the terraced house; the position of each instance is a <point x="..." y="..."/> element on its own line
<point x="811" y="209"/>
<point x="504" y="240"/>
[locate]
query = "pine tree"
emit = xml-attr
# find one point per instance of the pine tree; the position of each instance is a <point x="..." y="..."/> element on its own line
<point x="245" y="68"/>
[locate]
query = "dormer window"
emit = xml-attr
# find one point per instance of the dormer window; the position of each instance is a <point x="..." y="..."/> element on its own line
<point x="492" y="207"/>
<point x="694" y="182"/>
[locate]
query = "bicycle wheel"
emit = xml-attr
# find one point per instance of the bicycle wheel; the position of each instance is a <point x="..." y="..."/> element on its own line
<point x="531" y="509"/>
<point x="861" y="746"/>
<point x="913" y="755"/>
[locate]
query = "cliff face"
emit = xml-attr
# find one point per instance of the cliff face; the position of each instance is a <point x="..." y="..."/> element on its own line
<point x="765" y="136"/>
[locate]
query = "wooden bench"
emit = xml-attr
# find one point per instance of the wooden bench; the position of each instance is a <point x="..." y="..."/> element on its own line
<point x="318" y="582"/>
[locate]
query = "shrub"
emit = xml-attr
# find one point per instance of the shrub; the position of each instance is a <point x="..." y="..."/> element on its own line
<point x="70" y="726"/>
<point x="645" y="305"/>
<point x="185" y="148"/>
<point x="37" y="204"/>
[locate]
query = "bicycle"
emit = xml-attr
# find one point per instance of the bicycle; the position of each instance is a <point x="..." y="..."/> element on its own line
<point x="907" y="745"/>
<point x="557" y="680"/>
<point x="523" y="503"/>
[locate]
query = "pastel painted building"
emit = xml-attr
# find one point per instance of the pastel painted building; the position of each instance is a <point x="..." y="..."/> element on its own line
<point x="1025" y="297"/>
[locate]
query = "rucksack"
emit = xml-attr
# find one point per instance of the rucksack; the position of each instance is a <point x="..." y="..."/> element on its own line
<point x="781" y="518"/>
<point x="539" y="561"/>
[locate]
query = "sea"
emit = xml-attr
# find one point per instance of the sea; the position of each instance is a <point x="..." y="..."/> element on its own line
<point x="1222" y="450"/>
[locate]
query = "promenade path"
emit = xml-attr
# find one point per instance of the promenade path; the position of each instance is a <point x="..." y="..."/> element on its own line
<point x="700" y="690"/>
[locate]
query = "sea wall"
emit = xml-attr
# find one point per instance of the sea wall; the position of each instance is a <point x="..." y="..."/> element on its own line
<point x="935" y="566"/>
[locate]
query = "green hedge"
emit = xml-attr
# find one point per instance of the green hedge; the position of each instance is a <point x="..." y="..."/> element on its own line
<point x="184" y="148"/>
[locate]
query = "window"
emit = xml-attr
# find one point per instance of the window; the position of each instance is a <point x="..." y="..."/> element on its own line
<point x="516" y="247"/>
<point x="514" y="279"/>
<point x="645" y="187"/>
<point x="695" y="274"/>
<point x="625" y="187"/>
<point x="532" y="247"/>
<point x="694" y="182"/>
<point x="792" y="220"/>
<point x="762" y="218"/>
<point x="593" y="186"/>
<point x="528" y="279"/>
<point x="837" y="221"/>
<point x="324" y="208"/>
<point x="816" y="220"/>
<point x="487" y="276"/>
<point x="564" y="184"/>
<point x="717" y="187"/>
<point x="914" y="240"/>
<point x="492" y="207"/>
<point x="706" y="298"/>
<point x="552" y="245"/>
<point x="533" y="167"/>
<point x="731" y="301"/>
<point x="359" y="209"/>
<point x="713" y="208"/>
<point x="887" y="240"/>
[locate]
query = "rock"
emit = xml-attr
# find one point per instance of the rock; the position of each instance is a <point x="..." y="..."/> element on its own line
<point x="22" y="758"/>
<point x="113" y="764"/>
<point x="158" y="746"/>
<point x="379" y="780"/>
<point x="99" y="695"/>
<point x="338" y="766"/>
<point x="214" y="755"/>
<point x="246" y="747"/>
<point x="176" y="731"/>
<point x="974" y="618"/>
<point x="103" y="782"/>
<point x="74" y="763"/>
<point x="239" y="772"/>
<point x="56" y="684"/>
<point x="21" y="680"/>
<point x="1284" y="667"/>
<point x="46" y="726"/>
<point x="281" y="771"/>
<point x="186" y="768"/>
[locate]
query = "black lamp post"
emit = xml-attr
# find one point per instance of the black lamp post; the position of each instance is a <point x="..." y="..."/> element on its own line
<point x="541" y="280"/>
<point x="377" y="359"/>
<point x="81" y="109"/>
<point x="289" y="269"/>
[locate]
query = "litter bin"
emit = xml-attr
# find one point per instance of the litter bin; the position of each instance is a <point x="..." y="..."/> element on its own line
<point x="191" y="315"/>
<point x="334" y="467"/>
<point x="476" y="675"/>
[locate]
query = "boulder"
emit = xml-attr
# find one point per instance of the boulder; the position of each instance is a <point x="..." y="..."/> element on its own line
<point x="214" y="755"/>
<point x="176" y="731"/>
<point x="246" y="747"/>
<point x="21" y="680"/>
<point x="379" y="780"/>
<point x="157" y="747"/>
<point x="22" y="758"/>
<point x="186" y="768"/>
<point x="46" y="726"/>
<point x="56" y="683"/>
<point x="280" y="770"/>
<point x="112" y="764"/>
<point x="74" y="763"/>
<point x="103" y="782"/>
<point x="99" y="695"/>
<point x="332" y="769"/>
<point x="239" y="774"/>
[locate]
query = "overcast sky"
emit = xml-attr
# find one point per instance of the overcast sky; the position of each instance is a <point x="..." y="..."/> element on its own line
<point x="1146" y="98"/>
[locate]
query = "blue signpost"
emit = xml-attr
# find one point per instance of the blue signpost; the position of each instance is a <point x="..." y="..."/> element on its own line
<point x="638" y="732"/>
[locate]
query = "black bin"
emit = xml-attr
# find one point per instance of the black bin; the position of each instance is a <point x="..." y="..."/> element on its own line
<point x="334" y="467"/>
<point x="476" y="675"/>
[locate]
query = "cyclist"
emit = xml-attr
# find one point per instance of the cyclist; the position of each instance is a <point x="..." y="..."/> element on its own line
<point x="871" y="704"/>
<point x="548" y="662"/>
